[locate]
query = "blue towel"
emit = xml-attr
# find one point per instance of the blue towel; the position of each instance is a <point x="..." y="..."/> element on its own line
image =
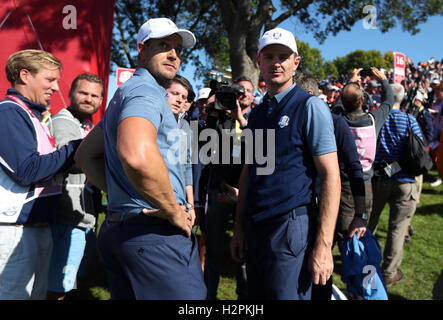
<point x="361" y="267"/>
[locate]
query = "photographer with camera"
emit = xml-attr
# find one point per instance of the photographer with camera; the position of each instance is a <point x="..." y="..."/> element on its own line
<point x="228" y="109"/>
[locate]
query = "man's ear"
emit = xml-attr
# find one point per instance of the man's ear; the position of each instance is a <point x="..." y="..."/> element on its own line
<point x="297" y="60"/>
<point x="140" y="46"/>
<point x="23" y="76"/>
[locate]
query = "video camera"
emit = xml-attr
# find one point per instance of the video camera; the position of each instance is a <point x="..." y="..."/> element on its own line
<point x="225" y="95"/>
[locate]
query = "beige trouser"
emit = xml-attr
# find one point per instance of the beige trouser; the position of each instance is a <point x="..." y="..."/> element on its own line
<point x="402" y="199"/>
<point x="419" y="180"/>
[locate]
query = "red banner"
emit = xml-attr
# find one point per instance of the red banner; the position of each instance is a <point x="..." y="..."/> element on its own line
<point x="399" y="67"/>
<point x="78" y="32"/>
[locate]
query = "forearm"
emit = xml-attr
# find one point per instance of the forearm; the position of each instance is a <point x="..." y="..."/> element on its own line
<point x="387" y="96"/>
<point x="151" y="179"/>
<point x="241" y="203"/>
<point x="329" y="204"/>
<point x="358" y="191"/>
<point x="95" y="172"/>
<point x="189" y="194"/>
<point x="39" y="168"/>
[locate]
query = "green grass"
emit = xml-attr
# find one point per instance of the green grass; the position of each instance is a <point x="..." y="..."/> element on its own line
<point x="422" y="263"/>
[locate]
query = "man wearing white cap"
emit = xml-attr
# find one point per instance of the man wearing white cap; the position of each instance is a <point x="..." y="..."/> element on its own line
<point x="202" y="102"/>
<point x="148" y="254"/>
<point x="289" y="240"/>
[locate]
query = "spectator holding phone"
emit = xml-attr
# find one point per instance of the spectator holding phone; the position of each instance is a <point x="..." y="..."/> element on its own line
<point x="365" y="128"/>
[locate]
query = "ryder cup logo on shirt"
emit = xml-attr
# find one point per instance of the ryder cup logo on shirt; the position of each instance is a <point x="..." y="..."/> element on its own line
<point x="284" y="121"/>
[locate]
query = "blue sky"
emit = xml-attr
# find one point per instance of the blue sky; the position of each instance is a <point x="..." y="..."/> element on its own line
<point x="420" y="47"/>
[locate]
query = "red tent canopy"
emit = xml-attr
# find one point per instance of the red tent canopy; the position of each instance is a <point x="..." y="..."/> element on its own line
<point x="78" y="32"/>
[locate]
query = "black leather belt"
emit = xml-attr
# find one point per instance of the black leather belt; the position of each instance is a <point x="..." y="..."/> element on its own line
<point x="134" y="218"/>
<point x="298" y="211"/>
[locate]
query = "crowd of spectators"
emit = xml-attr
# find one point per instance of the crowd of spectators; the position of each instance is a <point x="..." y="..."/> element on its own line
<point x="372" y="117"/>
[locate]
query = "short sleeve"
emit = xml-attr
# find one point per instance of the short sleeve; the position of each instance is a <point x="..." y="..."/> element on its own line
<point x="319" y="127"/>
<point x="145" y="102"/>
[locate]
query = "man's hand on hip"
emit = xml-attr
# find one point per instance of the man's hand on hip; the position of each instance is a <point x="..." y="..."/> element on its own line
<point x="182" y="219"/>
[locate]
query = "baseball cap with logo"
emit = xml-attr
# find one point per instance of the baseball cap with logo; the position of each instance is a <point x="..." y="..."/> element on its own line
<point x="278" y="36"/>
<point x="158" y="28"/>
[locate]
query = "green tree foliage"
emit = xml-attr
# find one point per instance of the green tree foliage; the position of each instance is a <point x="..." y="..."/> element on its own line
<point x="312" y="62"/>
<point x="331" y="69"/>
<point x="388" y="58"/>
<point x="199" y="16"/>
<point x="228" y="31"/>
<point x="363" y="59"/>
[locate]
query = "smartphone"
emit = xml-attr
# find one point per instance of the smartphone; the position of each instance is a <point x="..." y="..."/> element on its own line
<point x="366" y="73"/>
<point x="392" y="169"/>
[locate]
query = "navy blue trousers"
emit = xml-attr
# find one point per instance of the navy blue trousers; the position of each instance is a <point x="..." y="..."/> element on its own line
<point x="277" y="257"/>
<point x="155" y="262"/>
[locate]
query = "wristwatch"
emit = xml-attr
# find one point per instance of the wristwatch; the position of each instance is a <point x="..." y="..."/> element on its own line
<point x="362" y="216"/>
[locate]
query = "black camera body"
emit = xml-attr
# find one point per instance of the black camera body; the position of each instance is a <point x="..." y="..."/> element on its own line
<point x="366" y="73"/>
<point x="226" y="95"/>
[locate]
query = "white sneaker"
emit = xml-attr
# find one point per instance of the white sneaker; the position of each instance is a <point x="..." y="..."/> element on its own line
<point x="436" y="183"/>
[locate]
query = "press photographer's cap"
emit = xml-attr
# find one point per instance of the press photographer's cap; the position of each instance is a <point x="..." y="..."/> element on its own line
<point x="278" y="36"/>
<point x="203" y="93"/>
<point x="158" y="28"/>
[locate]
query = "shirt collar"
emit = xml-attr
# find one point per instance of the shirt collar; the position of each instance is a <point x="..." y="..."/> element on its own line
<point x="146" y="75"/>
<point x="279" y="96"/>
<point x="31" y="104"/>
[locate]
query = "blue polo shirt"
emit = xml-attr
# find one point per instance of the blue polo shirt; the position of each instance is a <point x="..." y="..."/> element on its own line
<point x="140" y="96"/>
<point x="303" y="128"/>
<point x="393" y="140"/>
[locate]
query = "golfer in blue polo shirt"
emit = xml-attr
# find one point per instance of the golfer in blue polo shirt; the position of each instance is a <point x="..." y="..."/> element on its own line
<point x="154" y="255"/>
<point x="290" y="237"/>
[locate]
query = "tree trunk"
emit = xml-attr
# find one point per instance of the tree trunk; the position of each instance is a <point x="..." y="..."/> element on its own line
<point x="243" y="28"/>
<point x="242" y="64"/>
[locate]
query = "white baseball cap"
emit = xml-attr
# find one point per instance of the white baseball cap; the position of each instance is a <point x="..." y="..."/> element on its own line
<point x="419" y="96"/>
<point x="278" y="36"/>
<point x="323" y="97"/>
<point x="203" y="93"/>
<point x="158" y="28"/>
